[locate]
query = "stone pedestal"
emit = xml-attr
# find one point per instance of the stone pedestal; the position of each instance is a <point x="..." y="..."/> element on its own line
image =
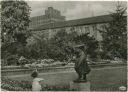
<point x="82" y="86"/>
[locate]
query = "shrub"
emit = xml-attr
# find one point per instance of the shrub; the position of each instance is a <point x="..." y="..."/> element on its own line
<point x="22" y="85"/>
<point x="56" y="88"/>
<point x="23" y="61"/>
<point x="12" y="60"/>
<point x="14" y="85"/>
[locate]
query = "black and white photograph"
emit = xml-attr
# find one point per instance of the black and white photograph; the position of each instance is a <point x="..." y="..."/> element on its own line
<point x="63" y="45"/>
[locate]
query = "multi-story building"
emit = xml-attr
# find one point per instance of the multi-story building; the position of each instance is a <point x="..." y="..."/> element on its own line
<point x="51" y="16"/>
<point x="90" y="25"/>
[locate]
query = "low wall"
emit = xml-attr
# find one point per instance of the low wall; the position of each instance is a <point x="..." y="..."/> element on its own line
<point x="53" y="69"/>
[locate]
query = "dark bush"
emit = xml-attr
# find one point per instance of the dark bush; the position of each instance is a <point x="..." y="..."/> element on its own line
<point x="22" y="85"/>
<point x="14" y="85"/>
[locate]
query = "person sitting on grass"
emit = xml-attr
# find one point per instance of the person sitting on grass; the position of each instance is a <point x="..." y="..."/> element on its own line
<point x="36" y="84"/>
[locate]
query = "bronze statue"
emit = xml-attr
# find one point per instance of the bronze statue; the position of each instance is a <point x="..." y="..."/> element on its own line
<point x="81" y="65"/>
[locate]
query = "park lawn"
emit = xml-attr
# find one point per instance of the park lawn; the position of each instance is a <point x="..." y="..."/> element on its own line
<point x="108" y="80"/>
<point x="101" y="80"/>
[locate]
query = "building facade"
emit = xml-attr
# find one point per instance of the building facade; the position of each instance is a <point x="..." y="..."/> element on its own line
<point x="90" y="25"/>
<point x="51" y="16"/>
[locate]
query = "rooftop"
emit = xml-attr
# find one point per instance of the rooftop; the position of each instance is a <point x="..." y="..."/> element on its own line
<point x="77" y="22"/>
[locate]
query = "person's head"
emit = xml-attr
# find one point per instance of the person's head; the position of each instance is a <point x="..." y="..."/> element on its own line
<point x="34" y="74"/>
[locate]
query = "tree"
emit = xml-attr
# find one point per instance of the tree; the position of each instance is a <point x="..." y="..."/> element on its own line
<point x="58" y="45"/>
<point x="15" y="20"/>
<point x="115" y="36"/>
<point x="14" y="24"/>
<point x="38" y="46"/>
<point x="63" y="44"/>
<point x="90" y="42"/>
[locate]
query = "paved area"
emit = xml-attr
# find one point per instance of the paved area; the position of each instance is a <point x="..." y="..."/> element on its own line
<point x="66" y="71"/>
<point x="2" y="90"/>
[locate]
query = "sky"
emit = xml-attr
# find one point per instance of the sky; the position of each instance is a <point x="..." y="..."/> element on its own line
<point x="74" y="9"/>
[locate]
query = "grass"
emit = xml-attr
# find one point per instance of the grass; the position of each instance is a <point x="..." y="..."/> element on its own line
<point x="108" y="80"/>
<point x="101" y="80"/>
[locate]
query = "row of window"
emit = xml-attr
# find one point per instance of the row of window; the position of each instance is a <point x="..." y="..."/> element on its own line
<point x="91" y="29"/>
<point x="85" y="29"/>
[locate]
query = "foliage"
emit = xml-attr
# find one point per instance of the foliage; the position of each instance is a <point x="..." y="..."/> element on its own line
<point x="59" y="45"/>
<point x="14" y="24"/>
<point x="14" y="85"/>
<point x="22" y="85"/>
<point x="56" y="47"/>
<point x="13" y="49"/>
<point x="15" y="20"/>
<point x="12" y="60"/>
<point x="56" y="88"/>
<point x="90" y="42"/>
<point x="115" y="36"/>
<point x="23" y="61"/>
<point x="37" y="46"/>
<point x="9" y="59"/>
<point x="8" y="48"/>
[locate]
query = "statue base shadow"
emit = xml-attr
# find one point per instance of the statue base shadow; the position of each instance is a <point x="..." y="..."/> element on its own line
<point x="80" y="85"/>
